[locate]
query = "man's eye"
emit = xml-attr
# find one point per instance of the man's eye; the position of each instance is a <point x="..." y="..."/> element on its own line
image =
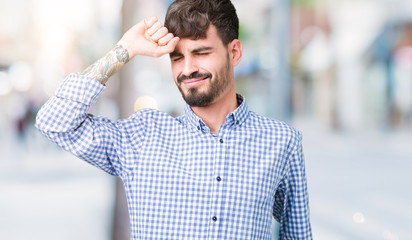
<point x="203" y="53"/>
<point x="176" y="59"/>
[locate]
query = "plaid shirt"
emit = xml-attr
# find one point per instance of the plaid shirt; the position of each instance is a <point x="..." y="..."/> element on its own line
<point x="181" y="180"/>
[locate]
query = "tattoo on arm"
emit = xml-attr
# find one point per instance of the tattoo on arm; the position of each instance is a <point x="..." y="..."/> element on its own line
<point x="105" y="67"/>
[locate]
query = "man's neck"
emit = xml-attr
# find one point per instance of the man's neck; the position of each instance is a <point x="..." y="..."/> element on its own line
<point x="214" y="115"/>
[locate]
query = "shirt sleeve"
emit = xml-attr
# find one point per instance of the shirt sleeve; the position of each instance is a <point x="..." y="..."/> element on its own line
<point x="64" y="120"/>
<point x="291" y="206"/>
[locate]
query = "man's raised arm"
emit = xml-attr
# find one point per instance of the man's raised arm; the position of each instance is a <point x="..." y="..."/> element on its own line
<point x="148" y="38"/>
<point x="64" y="118"/>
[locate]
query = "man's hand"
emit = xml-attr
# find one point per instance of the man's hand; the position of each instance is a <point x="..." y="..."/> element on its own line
<point x="148" y="38"/>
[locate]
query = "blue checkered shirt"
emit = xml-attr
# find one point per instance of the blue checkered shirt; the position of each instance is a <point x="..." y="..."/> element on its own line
<point x="181" y="180"/>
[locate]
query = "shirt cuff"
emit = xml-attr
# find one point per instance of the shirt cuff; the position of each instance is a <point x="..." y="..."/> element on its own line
<point x="79" y="88"/>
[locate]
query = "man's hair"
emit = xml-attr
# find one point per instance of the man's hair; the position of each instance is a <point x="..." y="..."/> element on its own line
<point x="192" y="18"/>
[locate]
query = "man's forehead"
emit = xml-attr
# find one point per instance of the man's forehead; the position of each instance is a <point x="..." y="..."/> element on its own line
<point x="188" y="45"/>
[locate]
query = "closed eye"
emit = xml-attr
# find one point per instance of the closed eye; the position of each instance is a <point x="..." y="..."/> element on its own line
<point x="176" y="59"/>
<point x="203" y="53"/>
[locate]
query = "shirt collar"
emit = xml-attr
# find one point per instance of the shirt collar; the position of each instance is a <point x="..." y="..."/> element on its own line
<point x="237" y="117"/>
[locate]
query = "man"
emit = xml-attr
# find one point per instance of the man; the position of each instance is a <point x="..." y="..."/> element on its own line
<point x="219" y="171"/>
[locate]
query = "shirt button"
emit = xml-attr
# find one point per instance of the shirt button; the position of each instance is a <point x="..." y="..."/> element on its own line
<point x="219" y="179"/>
<point x="237" y="122"/>
<point x="221" y="140"/>
<point x="214" y="218"/>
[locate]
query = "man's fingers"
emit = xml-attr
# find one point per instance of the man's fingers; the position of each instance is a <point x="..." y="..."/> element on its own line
<point x="171" y="45"/>
<point x="150" y="21"/>
<point x="153" y="29"/>
<point x="173" y="42"/>
<point x="164" y="40"/>
<point x="159" y="34"/>
<point x="168" y="48"/>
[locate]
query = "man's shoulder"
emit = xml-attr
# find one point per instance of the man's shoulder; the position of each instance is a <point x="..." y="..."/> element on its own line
<point x="266" y="124"/>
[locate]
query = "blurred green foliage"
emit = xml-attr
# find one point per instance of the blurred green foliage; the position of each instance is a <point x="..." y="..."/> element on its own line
<point x="303" y="2"/>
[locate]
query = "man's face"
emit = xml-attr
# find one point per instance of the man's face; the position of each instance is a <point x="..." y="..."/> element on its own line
<point x="202" y="69"/>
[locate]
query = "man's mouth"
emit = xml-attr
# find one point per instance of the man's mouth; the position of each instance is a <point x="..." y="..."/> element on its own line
<point x="194" y="81"/>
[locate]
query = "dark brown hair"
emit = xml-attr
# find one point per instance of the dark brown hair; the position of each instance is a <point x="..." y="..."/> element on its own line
<point x="192" y="18"/>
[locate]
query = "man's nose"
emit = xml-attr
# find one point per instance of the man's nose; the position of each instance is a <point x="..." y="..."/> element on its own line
<point x="190" y="67"/>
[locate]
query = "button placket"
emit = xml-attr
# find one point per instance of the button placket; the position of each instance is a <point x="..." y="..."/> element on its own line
<point x="221" y="145"/>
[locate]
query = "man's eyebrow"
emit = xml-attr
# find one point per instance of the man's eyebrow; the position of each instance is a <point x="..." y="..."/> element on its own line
<point x="201" y="49"/>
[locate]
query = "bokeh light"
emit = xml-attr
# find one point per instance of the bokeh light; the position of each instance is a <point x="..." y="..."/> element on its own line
<point x="5" y="84"/>
<point x="21" y="76"/>
<point x="145" y="102"/>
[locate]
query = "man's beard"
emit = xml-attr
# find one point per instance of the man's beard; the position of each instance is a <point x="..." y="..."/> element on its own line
<point x="194" y="97"/>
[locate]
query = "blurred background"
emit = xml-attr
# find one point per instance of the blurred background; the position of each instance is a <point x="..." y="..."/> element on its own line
<point x="338" y="70"/>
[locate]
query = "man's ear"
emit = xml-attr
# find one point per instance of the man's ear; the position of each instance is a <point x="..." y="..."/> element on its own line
<point x="235" y="51"/>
